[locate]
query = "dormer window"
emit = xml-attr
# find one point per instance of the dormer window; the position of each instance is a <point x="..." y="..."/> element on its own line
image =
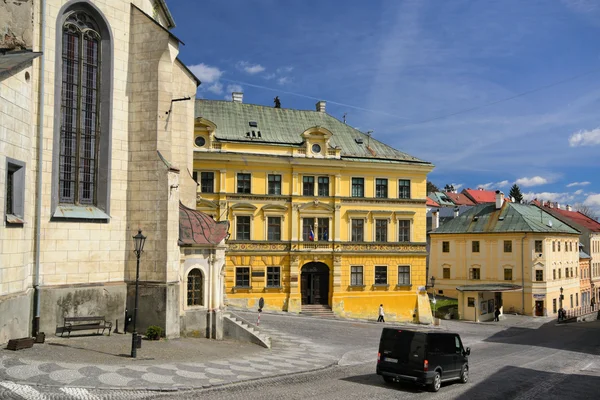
<point x="316" y="148"/>
<point x="200" y="141"/>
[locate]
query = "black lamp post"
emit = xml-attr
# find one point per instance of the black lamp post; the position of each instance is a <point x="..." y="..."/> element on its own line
<point x="139" y="241"/>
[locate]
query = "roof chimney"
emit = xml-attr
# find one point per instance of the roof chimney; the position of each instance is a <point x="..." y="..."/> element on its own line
<point x="456" y="211"/>
<point x="499" y="199"/>
<point x="569" y="208"/>
<point x="557" y="205"/>
<point x="435" y="219"/>
<point x="237" y="97"/>
<point x="320" y="106"/>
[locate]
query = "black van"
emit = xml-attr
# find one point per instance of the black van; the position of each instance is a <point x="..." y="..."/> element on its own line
<point x="423" y="357"/>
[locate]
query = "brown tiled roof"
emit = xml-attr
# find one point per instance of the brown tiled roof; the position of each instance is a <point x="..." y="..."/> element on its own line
<point x="431" y="203"/>
<point x="480" y="196"/>
<point x="574" y="217"/>
<point x="460" y="199"/>
<point x="196" y="227"/>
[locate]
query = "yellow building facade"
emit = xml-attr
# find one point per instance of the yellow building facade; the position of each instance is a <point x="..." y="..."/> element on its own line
<point x="512" y="256"/>
<point x="320" y="213"/>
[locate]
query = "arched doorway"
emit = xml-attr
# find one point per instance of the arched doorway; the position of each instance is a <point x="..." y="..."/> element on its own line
<point x="315" y="283"/>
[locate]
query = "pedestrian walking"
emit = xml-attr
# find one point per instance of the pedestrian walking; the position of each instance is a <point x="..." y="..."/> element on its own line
<point x="381" y="314"/>
<point x="593" y="303"/>
<point x="497" y="314"/>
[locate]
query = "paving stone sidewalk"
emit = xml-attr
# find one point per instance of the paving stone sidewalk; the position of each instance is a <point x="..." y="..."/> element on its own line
<point x="102" y="362"/>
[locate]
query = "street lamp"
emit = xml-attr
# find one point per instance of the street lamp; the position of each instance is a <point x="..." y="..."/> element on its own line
<point x="139" y="241"/>
<point x="433" y="291"/>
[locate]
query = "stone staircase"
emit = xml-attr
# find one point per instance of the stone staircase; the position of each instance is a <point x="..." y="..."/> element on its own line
<point x="236" y="327"/>
<point x="317" y="310"/>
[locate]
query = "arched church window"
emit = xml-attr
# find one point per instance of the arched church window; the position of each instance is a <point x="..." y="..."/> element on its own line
<point x="195" y="286"/>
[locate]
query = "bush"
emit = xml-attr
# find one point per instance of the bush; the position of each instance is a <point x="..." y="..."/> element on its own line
<point x="154" y="332"/>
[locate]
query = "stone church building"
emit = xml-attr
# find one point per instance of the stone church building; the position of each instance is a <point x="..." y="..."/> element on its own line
<point x="96" y="117"/>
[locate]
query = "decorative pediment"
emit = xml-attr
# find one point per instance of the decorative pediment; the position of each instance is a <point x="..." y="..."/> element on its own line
<point x="204" y="203"/>
<point x="274" y="208"/>
<point x="243" y="207"/>
<point x="317" y="132"/>
<point x="204" y="123"/>
<point x="315" y="205"/>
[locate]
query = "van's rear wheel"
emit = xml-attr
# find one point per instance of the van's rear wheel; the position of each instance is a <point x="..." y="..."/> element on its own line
<point x="464" y="374"/>
<point x="437" y="382"/>
<point x="388" y="379"/>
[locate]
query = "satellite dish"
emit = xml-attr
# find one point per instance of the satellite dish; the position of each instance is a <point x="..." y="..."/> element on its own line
<point x="550" y="223"/>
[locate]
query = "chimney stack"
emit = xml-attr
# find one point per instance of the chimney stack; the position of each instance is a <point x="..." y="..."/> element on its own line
<point x="320" y="106"/>
<point x="569" y="208"/>
<point x="237" y="97"/>
<point x="558" y="206"/>
<point x="456" y="210"/>
<point x="435" y="219"/>
<point x="499" y="199"/>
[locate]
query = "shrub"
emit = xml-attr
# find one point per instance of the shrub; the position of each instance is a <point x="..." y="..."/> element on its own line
<point x="154" y="332"/>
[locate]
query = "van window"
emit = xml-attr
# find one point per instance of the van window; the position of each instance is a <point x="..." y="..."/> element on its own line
<point x="444" y="344"/>
<point x="402" y="343"/>
<point x="458" y="345"/>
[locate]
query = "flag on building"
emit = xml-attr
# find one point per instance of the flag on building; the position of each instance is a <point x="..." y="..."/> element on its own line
<point x="311" y="235"/>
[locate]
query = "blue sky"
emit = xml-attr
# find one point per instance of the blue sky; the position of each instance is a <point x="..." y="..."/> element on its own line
<point x="400" y="68"/>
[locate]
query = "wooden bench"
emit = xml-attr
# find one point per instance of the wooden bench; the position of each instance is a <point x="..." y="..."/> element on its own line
<point x="86" y="323"/>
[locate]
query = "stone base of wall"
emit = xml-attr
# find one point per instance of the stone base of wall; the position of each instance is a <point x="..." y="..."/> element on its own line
<point x="15" y="316"/>
<point x="57" y="302"/>
<point x="194" y="323"/>
<point x="158" y="304"/>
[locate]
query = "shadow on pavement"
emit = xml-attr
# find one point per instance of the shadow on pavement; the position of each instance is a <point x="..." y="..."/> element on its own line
<point x="571" y="337"/>
<point x="523" y="383"/>
<point x="376" y="380"/>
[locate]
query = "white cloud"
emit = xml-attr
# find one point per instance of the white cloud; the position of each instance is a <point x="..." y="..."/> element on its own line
<point x="502" y="183"/>
<point x="486" y="186"/>
<point x="234" y="87"/>
<point x="534" y="181"/>
<point x="565" y="198"/>
<point x="206" y="73"/>
<point x="285" y="69"/>
<point x="578" y="192"/>
<point x="578" y="184"/>
<point x="269" y="76"/>
<point x="457" y="186"/>
<point x="492" y="185"/>
<point x="250" y="68"/>
<point x="283" y="80"/>
<point x="585" y="138"/>
<point x="592" y="200"/>
<point x="216" y="88"/>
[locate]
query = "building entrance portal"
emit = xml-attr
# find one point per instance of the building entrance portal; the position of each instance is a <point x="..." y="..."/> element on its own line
<point x="314" y="283"/>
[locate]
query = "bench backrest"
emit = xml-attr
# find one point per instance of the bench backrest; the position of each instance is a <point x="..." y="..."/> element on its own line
<point x="84" y="319"/>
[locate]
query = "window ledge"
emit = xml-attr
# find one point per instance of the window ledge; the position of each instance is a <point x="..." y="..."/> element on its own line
<point x="273" y="288"/>
<point x="244" y="289"/>
<point x="357" y="287"/>
<point x="381" y="286"/>
<point x="14" y="220"/>
<point x="407" y="286"/>
<point x="80" y="212"/>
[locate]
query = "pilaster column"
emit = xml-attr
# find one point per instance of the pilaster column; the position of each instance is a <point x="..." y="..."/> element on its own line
<point x="294" y="221"/>
<point x="222" y="181"/>
<point x="337" y="221"/>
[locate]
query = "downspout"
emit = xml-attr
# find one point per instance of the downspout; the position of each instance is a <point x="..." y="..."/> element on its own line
<point x="38" y="201"/>
<point x="210" y="285"/>
<point x="523" y="274"/>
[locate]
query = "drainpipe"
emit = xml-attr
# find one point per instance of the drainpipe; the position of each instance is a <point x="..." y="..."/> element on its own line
<point x="210" y="285"/>
<point x="38" y="201"/>
<point x="523" y="273"/>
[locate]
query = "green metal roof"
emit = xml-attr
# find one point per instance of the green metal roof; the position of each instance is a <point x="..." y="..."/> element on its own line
<point x="285" y="126"/>
<point x="512" y="217"/>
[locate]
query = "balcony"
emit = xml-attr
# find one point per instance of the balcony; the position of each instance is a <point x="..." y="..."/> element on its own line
<point x="347" y="247"/>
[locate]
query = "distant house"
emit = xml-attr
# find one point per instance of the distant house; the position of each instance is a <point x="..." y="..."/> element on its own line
<point x="459" y="199"/>
<point x="513" y="256"/>
<point x="480" y="196"/>
<point x="431" y="203"/>
<point x="441" y="199"/>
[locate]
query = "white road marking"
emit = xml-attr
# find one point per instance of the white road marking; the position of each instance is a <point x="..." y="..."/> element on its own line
<point x="26" y="392"/>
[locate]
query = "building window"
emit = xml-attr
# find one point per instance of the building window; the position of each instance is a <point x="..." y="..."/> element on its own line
<point x="358" y="187"/>
<point x="508" y="275"/>
<point x="508" y="246"/>
<point x="554" y="274"/>
<point x="273" y="276"/>
<point x="242" y="277"/>
<point x="323" y="229"/>
<point x="242" y="227"/>
<point x="470" y="301"/>
<point x="308" y="234"/>
<point x="571" y="298"/>
<point x="323" y="186"/>
<point x="81" y="97"/>
<point x="576" y="299"/>
<point x="356" y="276"/>
<point x="274" y="184"/>
<point x="15" y="191"/>
<point x="539" y="275"/>
<point x="358" y="226"/>
<point x="308" y="185"/>
<point x="446" y="247"/>
<point x="381" y="228"/>
<point x="475" y="246"/>
<point x="243" y="183"/>
<point x="403" y="189"/>
<point x="553" y="246"/>
<point x="274" y="228"/>
<point x="558" y="246"/>
<point x="554" y="306"/>
<point x="381" y="188"/>
<point x="404" y="230"/>
<point x="446" y="273"/>
<point x="538" y="246"/>
<point x="207" y="182"/>
<point x="195" y="285"/>
<point x="381" y="275"/>
<point x="404" y="275"/>
<point x="559" y="273"/>
<point x="474" y="273"/>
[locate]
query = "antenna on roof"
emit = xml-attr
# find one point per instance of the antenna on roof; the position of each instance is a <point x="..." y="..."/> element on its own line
<point x="369" y="138"/>
<point x="345" y="117"/>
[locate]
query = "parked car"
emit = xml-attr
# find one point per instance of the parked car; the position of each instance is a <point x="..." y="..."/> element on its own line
<point x="423" y="357"/>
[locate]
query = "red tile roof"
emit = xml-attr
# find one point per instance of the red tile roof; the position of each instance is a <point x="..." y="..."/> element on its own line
<point x="196" y="227"/>
<point x="460" y="199"/>
<point x="431" y="203"/>
<point x="479" y="196"/>
<point x="577" y="217"/>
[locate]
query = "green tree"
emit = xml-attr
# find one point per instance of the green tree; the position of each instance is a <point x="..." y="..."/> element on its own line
<point x="587" y="211"/>
<point x="431" y="187"/>
<point x="449" y="187"/>
<point x="515" y="193"/>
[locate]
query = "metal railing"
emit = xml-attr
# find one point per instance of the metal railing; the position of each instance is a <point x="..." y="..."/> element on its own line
<point x="579" y="311"/>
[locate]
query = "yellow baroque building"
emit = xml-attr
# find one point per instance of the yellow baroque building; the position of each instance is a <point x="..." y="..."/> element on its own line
<point x="321" y="214"/>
